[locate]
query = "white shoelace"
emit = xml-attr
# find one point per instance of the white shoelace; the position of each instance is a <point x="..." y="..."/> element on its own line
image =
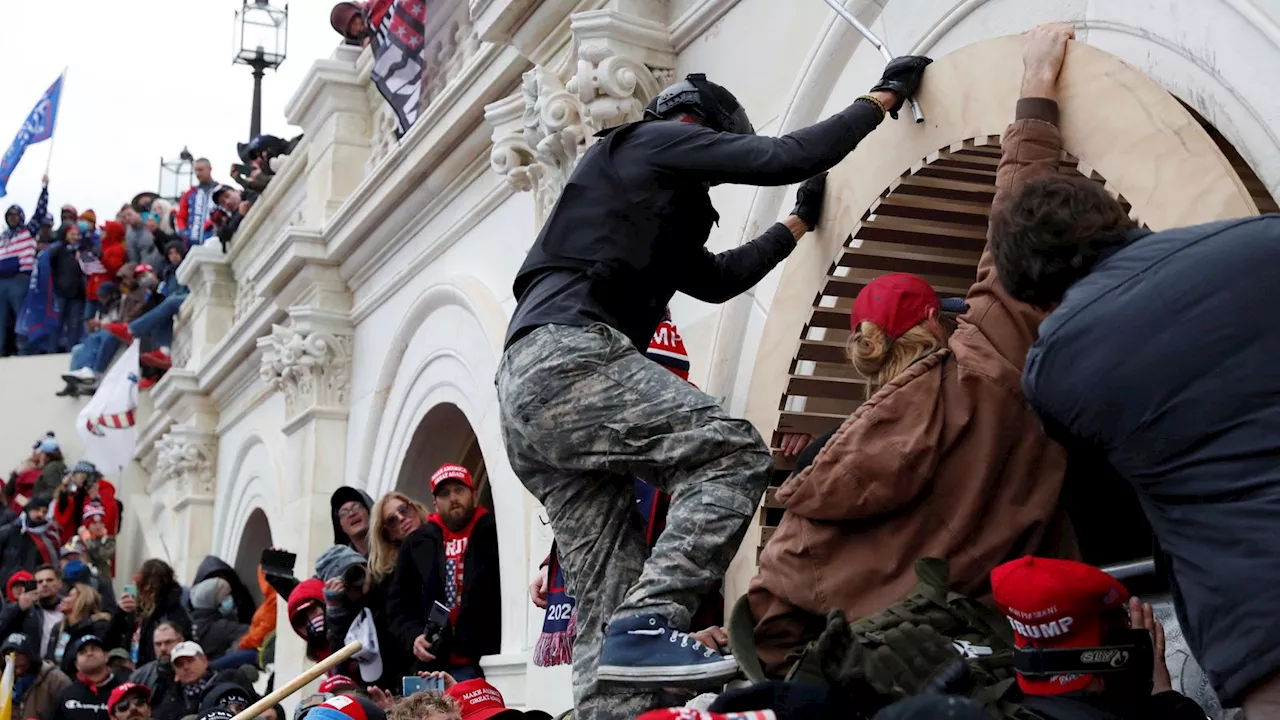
<point x="685" y="638"/>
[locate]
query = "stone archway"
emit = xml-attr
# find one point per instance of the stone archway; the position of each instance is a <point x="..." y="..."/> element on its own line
<point x="254" y="538"/>
<point x="915" y="198"/>
<point x="444" y="435"/>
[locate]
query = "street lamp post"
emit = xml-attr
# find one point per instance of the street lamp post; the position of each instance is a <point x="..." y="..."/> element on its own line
<point x="176" y="176"/>
<point x="262" y="44"/>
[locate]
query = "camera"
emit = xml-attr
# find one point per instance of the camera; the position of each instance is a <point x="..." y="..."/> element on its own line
<point x="354" y="576"/>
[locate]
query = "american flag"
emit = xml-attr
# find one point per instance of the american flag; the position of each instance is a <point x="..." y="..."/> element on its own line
<point x="89" y="263"/>
<point x="398" y="55"/>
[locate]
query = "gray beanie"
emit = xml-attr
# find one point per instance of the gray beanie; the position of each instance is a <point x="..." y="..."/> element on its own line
<point x="334" y="561"/>
<point x="209" y="594"/>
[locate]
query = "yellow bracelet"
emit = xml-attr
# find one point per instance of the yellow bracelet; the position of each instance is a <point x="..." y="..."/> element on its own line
<point x="875" y="101"/>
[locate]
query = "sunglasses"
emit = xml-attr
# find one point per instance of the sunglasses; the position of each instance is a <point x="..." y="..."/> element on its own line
<point x="128" y="704"/>
<point x="405" y="511"/>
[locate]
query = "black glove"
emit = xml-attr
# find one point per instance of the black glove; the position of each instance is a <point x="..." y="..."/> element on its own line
<point x="809" y="200"/>
<point x="902" y="75"/>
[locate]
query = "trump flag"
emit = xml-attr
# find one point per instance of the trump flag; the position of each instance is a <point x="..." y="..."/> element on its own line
<point x="37" y="128"/>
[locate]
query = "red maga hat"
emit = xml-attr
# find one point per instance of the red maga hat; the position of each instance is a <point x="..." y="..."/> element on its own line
<point x="1055" y="604"/>
<point x="450" y="471"/>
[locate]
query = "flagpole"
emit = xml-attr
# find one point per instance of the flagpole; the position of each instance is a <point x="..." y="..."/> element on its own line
<point x="53" y="131"/>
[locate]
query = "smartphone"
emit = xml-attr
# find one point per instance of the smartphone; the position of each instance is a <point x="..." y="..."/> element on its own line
<point x="439" y="615"/>
<point x="411" y="684"/>
<point x="29" y="586"/>
<point x="131" y="590"/>
<point x="282" y="561"/>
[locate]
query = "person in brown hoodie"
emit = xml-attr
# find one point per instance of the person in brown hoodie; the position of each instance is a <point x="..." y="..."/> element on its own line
<point x="37" y="682"/>
<point x="945" y="460"/>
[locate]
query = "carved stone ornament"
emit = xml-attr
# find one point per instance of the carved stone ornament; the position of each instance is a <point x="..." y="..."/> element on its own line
<point x="607" y="88"/>
<point x="311" y="369"/>
<point x="612" y="88"/>
<point x="186" y="460"/>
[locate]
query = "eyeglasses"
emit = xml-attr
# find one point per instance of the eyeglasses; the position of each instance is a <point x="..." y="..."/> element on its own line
<point x="350" y="510"/>
<point x="128" y="704"/>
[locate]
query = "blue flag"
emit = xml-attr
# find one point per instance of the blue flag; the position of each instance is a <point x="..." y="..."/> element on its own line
<point x="38" y="128"/>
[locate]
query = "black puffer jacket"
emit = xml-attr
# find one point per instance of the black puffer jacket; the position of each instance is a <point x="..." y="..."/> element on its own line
<point x="419" y="581"/>
<point x="68" y="280"/>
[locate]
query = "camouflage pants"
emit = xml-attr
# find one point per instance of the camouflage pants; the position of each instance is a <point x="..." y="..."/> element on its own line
<point x="583" y="413"/>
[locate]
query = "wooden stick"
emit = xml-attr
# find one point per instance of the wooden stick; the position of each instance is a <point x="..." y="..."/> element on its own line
<point x="296" y="684"/>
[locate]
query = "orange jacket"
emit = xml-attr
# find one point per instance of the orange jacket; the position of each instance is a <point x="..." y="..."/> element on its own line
<point x="264" y="619"/>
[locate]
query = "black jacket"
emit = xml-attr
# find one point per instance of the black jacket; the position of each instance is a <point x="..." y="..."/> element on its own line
<point x="168" y="608"/>
<point x="1162" y="362"/>
<point x="215" y="633"/>
<point x="175" y="704"/>
<point x="419" y="580"/>
<point x="13" y="619"/>
<point x="68" y="279"/>
<point x="84" y="702"/>
<point x="635" y="214"/>
<point x="18" y="550"/>
<point x="213" y="566"/>
<point x="99" y="626"/>
<point x="396" y="663"/>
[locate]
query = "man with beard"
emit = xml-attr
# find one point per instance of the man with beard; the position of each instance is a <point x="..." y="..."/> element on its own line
<point x="31" y="540"/>
<point x="36" y="613"/>
<point x="86" y="698"/>
<point x="158" y="674"/>
<point x="452" y="560"/>
<point x="349" y="510"/>
<point x="130" y="701"/>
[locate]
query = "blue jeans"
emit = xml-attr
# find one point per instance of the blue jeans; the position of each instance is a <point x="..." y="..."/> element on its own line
<point x="95" y="352"/>
<point x="71" y="325"/>
<point x="90" y="308"/>
<point x="13" y="292"/>
<point x="157" y="323"/>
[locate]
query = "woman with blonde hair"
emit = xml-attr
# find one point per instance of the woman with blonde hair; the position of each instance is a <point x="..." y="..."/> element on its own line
<point x="81" y="615"/>
<point x="392" y="519"/>
<point x="945" y="459"/>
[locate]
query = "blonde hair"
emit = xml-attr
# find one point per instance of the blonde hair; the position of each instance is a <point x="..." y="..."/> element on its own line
<point x="86" y="605"/>
<point x="424" y="705"/>
<point x="880" y="359"/>
<point x="383" y="552"/>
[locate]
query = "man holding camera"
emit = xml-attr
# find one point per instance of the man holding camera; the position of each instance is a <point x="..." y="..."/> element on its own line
<point x="445" y="599"/>
<point x="355" y="608"/>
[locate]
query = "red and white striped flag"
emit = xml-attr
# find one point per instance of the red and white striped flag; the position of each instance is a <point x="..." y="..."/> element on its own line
<point x="108" y="422"/>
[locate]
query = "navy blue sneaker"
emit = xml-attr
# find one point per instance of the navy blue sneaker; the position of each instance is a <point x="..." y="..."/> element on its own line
<point x="642" y="651"/>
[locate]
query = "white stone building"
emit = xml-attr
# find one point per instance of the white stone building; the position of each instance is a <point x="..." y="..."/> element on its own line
<point x="351" y="333"/>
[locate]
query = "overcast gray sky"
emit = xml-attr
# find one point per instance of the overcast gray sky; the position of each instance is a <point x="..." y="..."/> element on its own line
<point x="144" y="79"/>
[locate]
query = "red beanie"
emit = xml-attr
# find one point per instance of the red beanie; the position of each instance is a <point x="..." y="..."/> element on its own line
<point x="308" y="592"/>
<point x="16" y="579"/>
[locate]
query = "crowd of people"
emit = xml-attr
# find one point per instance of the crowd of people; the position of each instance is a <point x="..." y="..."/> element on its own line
<point x="79" y="286"/>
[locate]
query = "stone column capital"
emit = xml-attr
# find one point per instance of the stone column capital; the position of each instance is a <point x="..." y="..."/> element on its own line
<point x="309" y="360"/>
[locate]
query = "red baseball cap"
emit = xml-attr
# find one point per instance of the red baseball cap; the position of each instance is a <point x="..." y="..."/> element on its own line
<point x="121" y="690"/>
<point x="478" y="700"/>
<point x="680" y="713"/>
<point x="895" y="302"/>
<point x="450" y="471"/>
<point x="1055" y="604"/>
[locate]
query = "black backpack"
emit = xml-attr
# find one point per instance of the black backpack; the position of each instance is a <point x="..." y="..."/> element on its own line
<point x="933" y="641"/>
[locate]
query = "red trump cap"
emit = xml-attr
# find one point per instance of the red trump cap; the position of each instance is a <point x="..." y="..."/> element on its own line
<point x="450" y="471"/>
<point x="1055" y="604"/>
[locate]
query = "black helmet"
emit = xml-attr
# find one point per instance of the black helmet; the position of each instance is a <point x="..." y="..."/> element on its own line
<point x="715" y="106"/>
